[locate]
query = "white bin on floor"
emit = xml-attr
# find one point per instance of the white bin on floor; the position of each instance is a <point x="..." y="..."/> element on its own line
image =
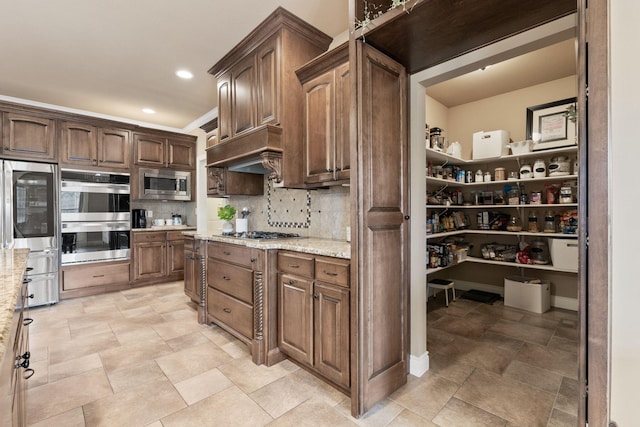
<point x="527" y="293"/>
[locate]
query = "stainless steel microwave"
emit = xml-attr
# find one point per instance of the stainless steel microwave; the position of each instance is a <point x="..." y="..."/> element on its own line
<point x="164" y="184"/>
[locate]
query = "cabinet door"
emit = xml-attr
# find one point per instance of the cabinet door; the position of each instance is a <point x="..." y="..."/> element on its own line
<point x="114" y="148"/>
<point x="331" y="332"/>
<point x="191" y="276"/>
<point x="319" y="128"/>
<point x="149" y="150"/>
<point x="224" y="107"/>
<point x="28" y="137"/>
<point x="295" y="323"/>
<point x="181" y="154"/>
<point x="150" y="260"/>
<point x="342" y="122"/>
<point x="175" y="258"/>
<point x="79" y="144"/>
<point x="268" y="82"/>
<point x="244" y="94"/>
<point x="382" y="339"/>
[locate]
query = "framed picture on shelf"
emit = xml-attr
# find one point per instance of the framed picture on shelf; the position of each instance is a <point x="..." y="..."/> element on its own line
<point x="552" y="125"/>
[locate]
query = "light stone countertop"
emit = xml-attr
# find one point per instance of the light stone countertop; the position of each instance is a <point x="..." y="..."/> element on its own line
<point x="165" y="228"/>
<point x="310" y="245"/>
<point x="12" y="266"/>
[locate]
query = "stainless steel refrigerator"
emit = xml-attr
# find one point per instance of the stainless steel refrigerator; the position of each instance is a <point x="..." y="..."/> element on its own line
<point x="30" y="220"/>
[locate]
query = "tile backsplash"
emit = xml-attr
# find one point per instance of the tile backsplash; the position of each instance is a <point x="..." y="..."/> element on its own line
<point x="165" y="209"/>
<point x="310" y="213"/>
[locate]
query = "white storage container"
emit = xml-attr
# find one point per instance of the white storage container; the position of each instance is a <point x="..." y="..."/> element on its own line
<point x="564" y="253"/>
<point x="527" y="293"/>
<point x="490" y="144"/>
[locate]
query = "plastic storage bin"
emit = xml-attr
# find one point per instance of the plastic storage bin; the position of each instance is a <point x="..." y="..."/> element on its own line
<point x="527" y="293"/>
<point x="564" y="253"/>
<point x="490" y="144"/>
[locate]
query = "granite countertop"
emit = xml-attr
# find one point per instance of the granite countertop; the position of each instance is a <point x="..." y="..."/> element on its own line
<point x="310" y="245"/>
<point x="12" y="265"/>
<point x="165" y="228"/>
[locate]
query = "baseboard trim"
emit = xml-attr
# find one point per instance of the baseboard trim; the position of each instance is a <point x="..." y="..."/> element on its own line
<point x="556" y="301"/>
<point x="419" y="365"/>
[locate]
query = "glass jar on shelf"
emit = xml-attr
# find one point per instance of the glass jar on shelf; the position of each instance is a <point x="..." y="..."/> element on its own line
<point x="514" y="224"/>
<point x="532" y="223"/>
<point x="549" y="222"/>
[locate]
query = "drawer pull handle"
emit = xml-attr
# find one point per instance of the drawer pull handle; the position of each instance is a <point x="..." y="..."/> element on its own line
<point x="226" y="253"/>
<point x="329" y="273"/>
<point x="294" y="266"/>
<point x="28" y="373"/>
<point x="98" y="275"/>
<point x="27" y="321"/>
<point x="226" y="310"/>
<point x="226" y="278"/>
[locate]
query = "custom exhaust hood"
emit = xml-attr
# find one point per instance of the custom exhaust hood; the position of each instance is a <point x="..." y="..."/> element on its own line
<point x="258" y="150"/>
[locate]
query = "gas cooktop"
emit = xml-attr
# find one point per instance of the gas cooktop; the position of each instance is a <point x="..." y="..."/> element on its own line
<point x="261" y="235"/>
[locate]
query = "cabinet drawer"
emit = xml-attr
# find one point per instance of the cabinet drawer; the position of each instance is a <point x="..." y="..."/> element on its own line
<point x="86" y="277"/>
<point x="334" y="271"/>
<point x="230" y="311"/>
<point x="231" y="253"/>
<point x="231" y="279"/>
<point x="175" y="235"/>
<point x="295" y="263"/>
<point x="149" y="236"/>
<point x="189" y="243"/>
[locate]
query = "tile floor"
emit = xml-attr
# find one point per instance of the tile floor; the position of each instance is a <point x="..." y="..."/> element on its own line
<point x="139" y="358"/>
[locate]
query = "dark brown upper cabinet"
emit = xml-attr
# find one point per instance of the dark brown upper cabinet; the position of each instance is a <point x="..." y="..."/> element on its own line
<point x="258" y="91"/>
<point x="28" y="137"/>
<point x="91" y="146"/>
<point x="159" y="151"/>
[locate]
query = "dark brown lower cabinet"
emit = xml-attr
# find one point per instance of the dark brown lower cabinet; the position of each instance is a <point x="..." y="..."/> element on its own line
<point x="157" y="256"/>
<point x="314" y="314"/>
<point x="192" y="263"/>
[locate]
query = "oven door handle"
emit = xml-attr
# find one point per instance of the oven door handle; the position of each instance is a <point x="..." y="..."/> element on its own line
<point x="94" y="187"/>
<point x="82" y="227"/>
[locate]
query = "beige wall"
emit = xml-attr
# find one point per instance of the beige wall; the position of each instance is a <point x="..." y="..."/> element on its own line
<point x="506" y="112"/>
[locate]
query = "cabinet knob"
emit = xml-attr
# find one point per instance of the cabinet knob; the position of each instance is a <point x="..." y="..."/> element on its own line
<point x="226" y="310"/>
<point x="291" y="282"/>
<point x="407" y="217"/>
<point x="316" y="296"/>
<point x="253" y="260"/>
<point x="226" y="277"/>
<point x="338" y="169"/>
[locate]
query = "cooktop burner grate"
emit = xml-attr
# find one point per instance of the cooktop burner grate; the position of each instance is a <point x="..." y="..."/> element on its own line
<point x="258" y="235"/>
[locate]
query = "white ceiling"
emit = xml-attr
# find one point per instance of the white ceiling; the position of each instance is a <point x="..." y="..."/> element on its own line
<point x="540" y="66"/>
<point x="115" y="57"/>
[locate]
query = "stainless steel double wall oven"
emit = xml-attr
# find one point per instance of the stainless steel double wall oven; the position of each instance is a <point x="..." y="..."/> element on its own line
<point x="95" y="216"/>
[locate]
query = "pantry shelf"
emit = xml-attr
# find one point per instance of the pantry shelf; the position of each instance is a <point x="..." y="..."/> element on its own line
<point x="456" y="184"/>
<point x="542" y="205"/>
<point x="546" y="267"/>
<point x="440" y="158"/>
<point x="500" y="233"/>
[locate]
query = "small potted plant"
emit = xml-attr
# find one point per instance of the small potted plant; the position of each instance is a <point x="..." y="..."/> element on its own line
<point x="227" y="213"/>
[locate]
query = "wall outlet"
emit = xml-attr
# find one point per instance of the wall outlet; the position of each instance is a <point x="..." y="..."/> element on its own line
<point x="150" y="214"/>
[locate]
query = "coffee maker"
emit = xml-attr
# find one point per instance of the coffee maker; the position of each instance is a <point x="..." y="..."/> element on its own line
<point x="139" y="218"/>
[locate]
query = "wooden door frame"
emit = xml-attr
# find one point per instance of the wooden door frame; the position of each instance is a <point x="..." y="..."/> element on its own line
<point x="594" y="125"/>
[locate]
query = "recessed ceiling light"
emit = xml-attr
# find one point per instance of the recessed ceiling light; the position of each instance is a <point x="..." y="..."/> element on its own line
<point x="184" y="74"/>
<point x="149" y="110"/>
